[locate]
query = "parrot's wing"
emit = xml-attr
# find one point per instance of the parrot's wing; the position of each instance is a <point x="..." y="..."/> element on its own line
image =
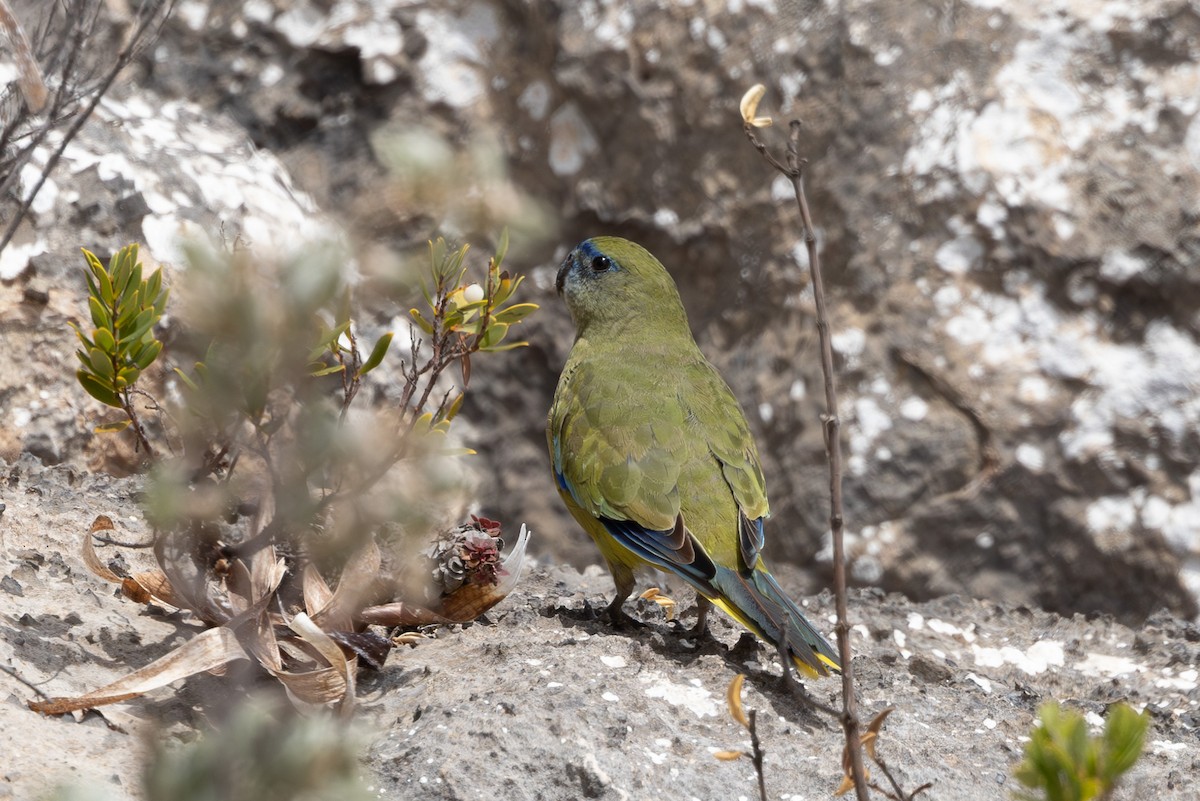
<point x="720" y="417"/>
<point x="618" y="455"/>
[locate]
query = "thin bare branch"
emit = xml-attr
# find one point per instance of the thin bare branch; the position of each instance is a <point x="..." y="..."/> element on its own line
<point x="136" y="41"/>
<point x="794" y="171"/>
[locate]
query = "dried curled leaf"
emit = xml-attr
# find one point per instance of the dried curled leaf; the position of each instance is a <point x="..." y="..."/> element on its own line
<point x="749" y="107"/>
<point x="729" y="756"/>
<point x="314" y="653"/>
<point x="667" y="603"/>
<point x="733" y="697"/>
<point x="208" y="650"/>
<point x="867" y="740"/>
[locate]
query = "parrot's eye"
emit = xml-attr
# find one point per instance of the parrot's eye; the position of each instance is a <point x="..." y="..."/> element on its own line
<point x="601" y="264"/>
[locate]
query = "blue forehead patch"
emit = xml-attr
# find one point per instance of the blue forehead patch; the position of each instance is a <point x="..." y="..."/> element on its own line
<point x="588" y="248"/>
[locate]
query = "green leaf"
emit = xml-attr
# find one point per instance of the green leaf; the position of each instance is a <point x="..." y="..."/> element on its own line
<point x="160" y="303"/>
<point x="154" y="286"/>
<point x="188" y="382"/>
<point x="421" y="322"/>
<point x="140" y="326"/>
<point x="469" y="327"/>
<point x="104" y="340"/>
<point x="112" y="428"/>
<point x="507" y="347"/>
<point x="93" y="289"/>
<point x="101" y="363"/>
<point x="501" y="248"/>
<point x="148" y="355"/>
<point x="106" y="287"/>
<point x="125" y="315"/>
<point x="97" y="390"/>
<point x="514" y="314"/>
<point x="121" y="268"/>
<point x="437" y="256"/>
<point x="87" y="343"/>
<point x="327" y="340"/>
<point x="455" y="406"/>
<point x="494" y="335"/>
<point x="92" y="261"/>
<point x="458" y="270"/>
<point x="134" y="288"/>
<point x="377" y="353"/>
<point x="506" y="289"/>
<point x="474" y="305"/>
<point x="323" y="370"/>
<point x="100" y="316"/>
<point x="128" y="375"/>
<point x="1124" y="737"/>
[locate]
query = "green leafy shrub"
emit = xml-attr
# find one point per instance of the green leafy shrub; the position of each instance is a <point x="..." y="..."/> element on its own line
<point x="124" y="307"/>
<point x="1065" y="763"/>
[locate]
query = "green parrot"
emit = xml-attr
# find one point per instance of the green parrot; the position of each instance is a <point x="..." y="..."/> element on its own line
<point x="652" y="454"/>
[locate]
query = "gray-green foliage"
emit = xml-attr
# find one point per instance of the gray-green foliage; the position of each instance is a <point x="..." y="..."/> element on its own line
<point x="260" y="755"/>
<point x="270" y="366"/>
<point x="1063" y="762"/>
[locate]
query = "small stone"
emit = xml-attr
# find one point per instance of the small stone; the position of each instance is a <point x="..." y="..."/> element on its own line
<point x="928" y="671"/>
<point x="11" y="586"/>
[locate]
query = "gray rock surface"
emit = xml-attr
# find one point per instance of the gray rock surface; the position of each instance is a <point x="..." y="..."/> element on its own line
<point x="542" y="701"/>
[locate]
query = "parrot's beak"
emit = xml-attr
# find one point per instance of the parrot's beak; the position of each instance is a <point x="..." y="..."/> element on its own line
<point x="561" y="279"/>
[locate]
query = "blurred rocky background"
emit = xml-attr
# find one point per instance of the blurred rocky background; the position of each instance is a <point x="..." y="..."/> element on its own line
<point x="1007" y="200"/>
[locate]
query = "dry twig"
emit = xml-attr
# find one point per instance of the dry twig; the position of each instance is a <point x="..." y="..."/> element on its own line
<point x="793" y="170"/>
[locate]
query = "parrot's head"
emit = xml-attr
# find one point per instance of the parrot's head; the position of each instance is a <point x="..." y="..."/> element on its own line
<point x="609" y="281"/>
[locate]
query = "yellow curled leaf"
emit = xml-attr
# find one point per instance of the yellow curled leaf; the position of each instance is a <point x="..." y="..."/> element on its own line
<point x="749" y="106"/>
<point x="733" y="697"/>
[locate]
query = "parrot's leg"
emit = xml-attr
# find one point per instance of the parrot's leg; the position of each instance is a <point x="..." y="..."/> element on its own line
<point x="623" y="579"/>
<point x="702" y="607"/>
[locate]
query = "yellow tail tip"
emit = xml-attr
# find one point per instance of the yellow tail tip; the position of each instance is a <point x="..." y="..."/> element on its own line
<point x="826" y="667"/>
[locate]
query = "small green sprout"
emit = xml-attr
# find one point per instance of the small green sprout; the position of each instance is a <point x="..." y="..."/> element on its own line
<point x="125" y="308"/>
<point x="474" y="316"/>
<point x="1065" y="763"/>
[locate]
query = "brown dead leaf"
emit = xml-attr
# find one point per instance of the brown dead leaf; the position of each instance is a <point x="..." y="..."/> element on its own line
<point x="207" y="650"/>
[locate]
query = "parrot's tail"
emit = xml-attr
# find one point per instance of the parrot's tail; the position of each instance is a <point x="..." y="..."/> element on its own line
<point x="758" y="603"/>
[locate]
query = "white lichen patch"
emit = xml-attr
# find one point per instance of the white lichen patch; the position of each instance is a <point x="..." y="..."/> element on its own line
<point x="451" y="66"/>
<point x="1038" y="658"/>
<point x="964" y="633"/>
<point x="1108" y="666"/>
<point x="1186" y="681"/>
<point x="982" y="683"/>
<point x="1021" y="148"/>
<point x="571" y="140"/>
<point x="1026" y="332"/>
<point x="215" y="177"/>
<point x="695" y="699"/>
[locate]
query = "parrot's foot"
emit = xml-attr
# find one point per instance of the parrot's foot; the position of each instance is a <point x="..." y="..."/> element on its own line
<point x="619" y="618"/>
